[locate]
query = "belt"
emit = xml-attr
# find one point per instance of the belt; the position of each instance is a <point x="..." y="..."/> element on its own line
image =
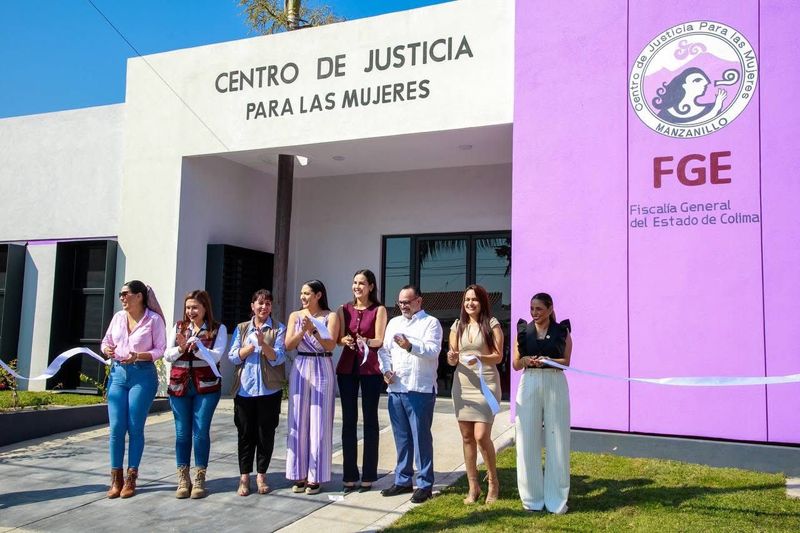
<point x="138" y="364"/>
<point x="551" y="369"/>
<point x="199" y="363"/>
<point x="315" y="354"/>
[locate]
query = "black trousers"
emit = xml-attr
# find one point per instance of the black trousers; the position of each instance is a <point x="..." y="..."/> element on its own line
<point x="371" y="388"/>
<point x="256" y="420"/>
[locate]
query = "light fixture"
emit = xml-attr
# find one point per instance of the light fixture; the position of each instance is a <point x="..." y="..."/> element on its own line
<point x="465" y="147"/>
<point x="303" y="160"/>
<point x="338" y="158"/>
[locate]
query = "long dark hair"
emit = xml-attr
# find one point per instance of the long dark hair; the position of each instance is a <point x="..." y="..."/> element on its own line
<point x="205" y="300"/>
<point x="547" y="300"/>
<point x="138" y="287"/>
<point x="373" y="294"/>
<point x="484" y="316"/>
<point x="316" y="287"/>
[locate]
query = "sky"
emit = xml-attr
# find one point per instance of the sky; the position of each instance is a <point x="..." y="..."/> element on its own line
<point x="62" y="54"/>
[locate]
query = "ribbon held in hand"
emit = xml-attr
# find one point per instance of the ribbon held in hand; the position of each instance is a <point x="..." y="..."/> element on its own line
<point x="710" y="381"/>
<point x="53" y="368"/>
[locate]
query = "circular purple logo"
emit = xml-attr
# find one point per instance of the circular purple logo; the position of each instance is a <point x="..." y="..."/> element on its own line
<point x="693" y="79"/>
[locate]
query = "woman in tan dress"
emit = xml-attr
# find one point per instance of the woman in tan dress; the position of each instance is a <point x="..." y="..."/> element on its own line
<point x="476" y="346"/>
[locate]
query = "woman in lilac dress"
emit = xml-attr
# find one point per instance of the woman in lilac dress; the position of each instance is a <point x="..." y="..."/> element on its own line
<point x="309" y="446"/>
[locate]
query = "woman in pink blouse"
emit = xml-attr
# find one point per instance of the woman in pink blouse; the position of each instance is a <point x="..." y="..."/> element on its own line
<point x="135" y="338"/>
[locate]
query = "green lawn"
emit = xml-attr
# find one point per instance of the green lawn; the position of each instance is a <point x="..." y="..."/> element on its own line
<point x="611" y="493"/>
<point x="41" y="399"/>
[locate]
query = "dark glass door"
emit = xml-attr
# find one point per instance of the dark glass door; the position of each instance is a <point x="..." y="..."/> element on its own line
<point x="442" y="266"/>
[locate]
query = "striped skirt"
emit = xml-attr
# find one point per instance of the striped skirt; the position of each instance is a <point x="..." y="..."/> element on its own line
<point x="309" y="445"/>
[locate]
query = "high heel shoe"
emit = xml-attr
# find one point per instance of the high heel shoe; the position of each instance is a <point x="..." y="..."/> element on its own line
<point x="261" y="484"/>
<point x="493" y="491"/>
<point x="244" y="485"/>
<point x="474" y="492"/>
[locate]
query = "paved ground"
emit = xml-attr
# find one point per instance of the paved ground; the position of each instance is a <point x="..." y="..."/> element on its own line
<point x="59" y="483"/>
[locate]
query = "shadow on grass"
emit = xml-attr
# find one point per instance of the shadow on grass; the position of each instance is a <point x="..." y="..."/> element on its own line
<point x="588" y="496"/>
<point x="602" y="494"/>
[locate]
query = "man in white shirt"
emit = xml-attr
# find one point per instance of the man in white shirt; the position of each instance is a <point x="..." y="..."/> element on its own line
<point x="409" y="360"/>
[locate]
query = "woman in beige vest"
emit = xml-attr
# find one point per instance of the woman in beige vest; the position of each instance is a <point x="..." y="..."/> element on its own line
<point x="476" y="346"/>
<point x="258" y="353"/>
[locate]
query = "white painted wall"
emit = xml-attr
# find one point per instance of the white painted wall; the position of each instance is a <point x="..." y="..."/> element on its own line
<point x="221" y="203"/>
<point x="354" y="212"/>
<point x="162" y="127"/>
<point x="61" y="174"/>
<point x="36" y="314"/>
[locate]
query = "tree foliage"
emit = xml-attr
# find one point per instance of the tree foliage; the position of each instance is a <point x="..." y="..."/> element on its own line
<point x="270" y="16"/>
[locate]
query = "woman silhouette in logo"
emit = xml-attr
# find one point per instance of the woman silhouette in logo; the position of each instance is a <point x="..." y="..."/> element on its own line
<point x="677" y="100"/>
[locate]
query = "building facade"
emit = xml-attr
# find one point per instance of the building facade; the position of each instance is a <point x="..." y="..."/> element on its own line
<point x="438" y="141"/>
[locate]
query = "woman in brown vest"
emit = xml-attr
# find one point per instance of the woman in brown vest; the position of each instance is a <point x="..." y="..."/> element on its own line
<point x="258" y="352"/>
<point x="196" y="343"/>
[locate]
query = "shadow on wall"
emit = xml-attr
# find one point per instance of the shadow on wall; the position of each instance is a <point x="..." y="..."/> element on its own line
<point x="30" y="289"/>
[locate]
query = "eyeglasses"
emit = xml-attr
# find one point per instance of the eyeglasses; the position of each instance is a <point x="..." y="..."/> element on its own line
<point x="124" y="294"/>
<point x="404" y="303"/>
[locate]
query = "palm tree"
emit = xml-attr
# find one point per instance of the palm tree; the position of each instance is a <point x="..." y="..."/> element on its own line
<point x="431" y="248"/>
<point x="268" y="16"/>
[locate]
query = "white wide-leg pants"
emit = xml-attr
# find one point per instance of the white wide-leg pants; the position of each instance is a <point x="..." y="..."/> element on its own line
<point x="543" y="395"/>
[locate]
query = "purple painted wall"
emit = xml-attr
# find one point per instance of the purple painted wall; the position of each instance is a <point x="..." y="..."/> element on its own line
<point x="590" y="170"/>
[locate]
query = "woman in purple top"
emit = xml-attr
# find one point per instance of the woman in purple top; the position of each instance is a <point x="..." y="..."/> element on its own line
<point x="135" y="338"/>
<point x="362" y="323"/>
<point x="309" y="446"/>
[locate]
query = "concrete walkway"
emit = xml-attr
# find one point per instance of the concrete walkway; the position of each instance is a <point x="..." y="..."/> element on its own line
<point x="59" y="483"/>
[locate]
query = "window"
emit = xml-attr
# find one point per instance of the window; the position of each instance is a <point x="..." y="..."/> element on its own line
<point x="12" y="268"/>
<point x="442" y="266"/>
<point x="83" y="304"/>
<point x="233" y="274"/>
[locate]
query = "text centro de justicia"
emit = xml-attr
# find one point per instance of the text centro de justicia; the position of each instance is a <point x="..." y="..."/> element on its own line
<point x="683" y="207"/>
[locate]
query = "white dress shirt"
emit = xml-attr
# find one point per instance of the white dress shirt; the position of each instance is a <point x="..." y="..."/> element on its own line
<point x="415" y="370"/>
<point x="173" y="351"/>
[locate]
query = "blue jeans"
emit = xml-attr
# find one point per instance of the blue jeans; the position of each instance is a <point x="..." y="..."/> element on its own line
<point x="193" y="413"/>
<point x="411" y="414"/>
<point x="131" y="391"/>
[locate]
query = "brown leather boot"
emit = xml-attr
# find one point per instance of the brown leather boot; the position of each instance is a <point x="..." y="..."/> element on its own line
<point x="184" y="483"/>
<point x="116" y="483"/>
<point x="199" y="488"/>
<point x="129" y="489"/>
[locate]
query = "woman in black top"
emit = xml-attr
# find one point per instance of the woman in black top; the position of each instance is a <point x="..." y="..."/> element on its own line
<point x="543" y="396"/>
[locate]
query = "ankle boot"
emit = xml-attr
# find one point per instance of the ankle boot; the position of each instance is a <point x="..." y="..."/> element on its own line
<point x="184" y="483"/>
<point x="116" y="483"/>
<point x="199" y="489"/>
<point x="129" y="489"/>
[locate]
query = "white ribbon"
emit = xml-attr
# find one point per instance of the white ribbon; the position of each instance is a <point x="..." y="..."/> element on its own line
<point x="487" y="392"/>
<point x="364" y="350"/>
<point x="53" y="368"/>
<point x="322" y="329"/>
<point x="206" y="356"/>
<point x="710" y="381"/>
